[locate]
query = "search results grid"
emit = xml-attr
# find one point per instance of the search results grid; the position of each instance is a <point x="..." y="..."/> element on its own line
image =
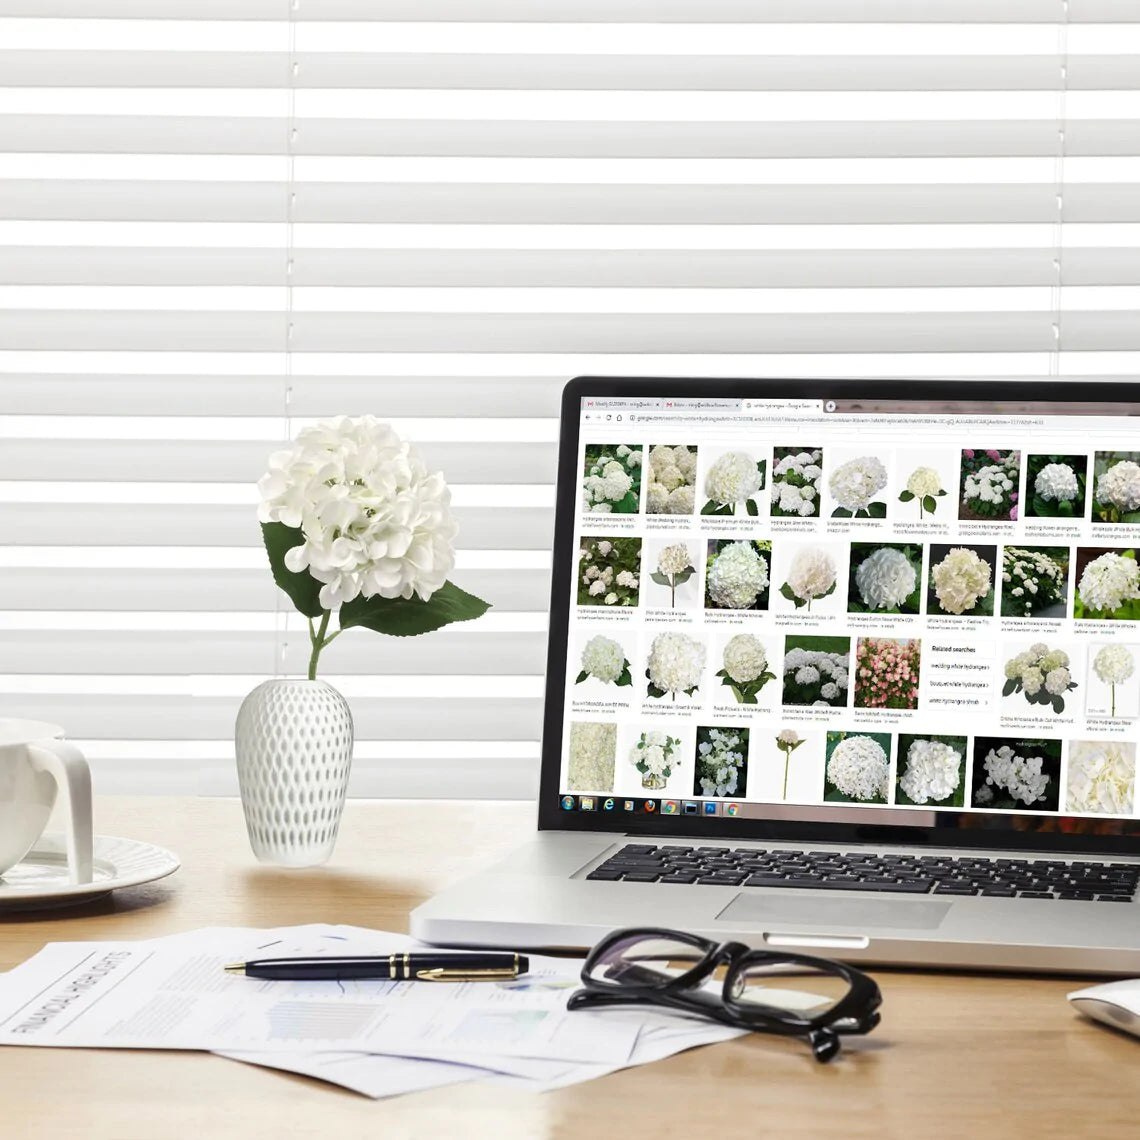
<point x="799" y="602"/>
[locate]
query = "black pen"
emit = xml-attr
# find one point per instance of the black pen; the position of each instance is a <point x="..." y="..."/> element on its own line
<point x="410" y="967"/>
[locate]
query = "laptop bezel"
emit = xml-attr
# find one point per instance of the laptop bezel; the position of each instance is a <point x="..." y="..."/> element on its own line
<point x="729" y="829"/>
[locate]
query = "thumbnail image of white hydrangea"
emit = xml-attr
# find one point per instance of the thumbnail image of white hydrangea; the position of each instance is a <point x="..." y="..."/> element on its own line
<point x="608" y="571"/>
<point x="653" y="756"/>
<point x="1041" y="674"/>
<point x="745" y="669"/>
<point x="923" y="486"/>
<point x="612" y="480"/>
<point x="722" y="759"/>
<point x="885" y="579"/>
<point x="858" y="769"/>
<point x="737" y="576"/>
<point x="796" y="476"/>
<point x="1056" y="483"/>
<point x="674" y="568"/>
<point x="933" y="772"/>
<point x="1102" y="777"/>
<point x="810" y="576"/>
<point x="676" y="665"/>
<point x="1117" y="491"/>
<point x="1022" y="777"/>
<point x="593" y="751"/>
<point x="732" y="482"/>
<point x="854" y="485"/>
<point x="815" y="676"/>
<point x="1033" y="581"/>
<point x="1108" y="586"/>
<point x="671" y="473"/>
<point x="605" y="660"/>
<point x="1114" y="664"/>
<point x="961" y="580"/>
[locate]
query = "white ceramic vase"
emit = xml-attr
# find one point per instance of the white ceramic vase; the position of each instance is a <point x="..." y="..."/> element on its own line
<point x="293" y="742"/>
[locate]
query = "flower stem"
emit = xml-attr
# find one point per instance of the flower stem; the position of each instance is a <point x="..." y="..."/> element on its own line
<point x="787" y="757"/>
<point x="319" y="642"/>
<point x="673" y="591"/>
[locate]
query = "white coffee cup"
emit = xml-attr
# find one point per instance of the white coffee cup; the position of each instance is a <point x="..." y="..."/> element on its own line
<point x="35" y="765"/>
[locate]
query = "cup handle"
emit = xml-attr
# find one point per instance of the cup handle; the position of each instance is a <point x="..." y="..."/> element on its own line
<point x="67" y="764"/>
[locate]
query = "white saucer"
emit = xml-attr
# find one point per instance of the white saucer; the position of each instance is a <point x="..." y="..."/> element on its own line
<point x="41" y="879"/>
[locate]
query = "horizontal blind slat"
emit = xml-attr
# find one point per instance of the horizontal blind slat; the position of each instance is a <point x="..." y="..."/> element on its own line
<point x="642" y="333"/>
<point x="137" y="524"/>
<point x="597" y="11"/>
<point x="577" y="268"/>
<point x="543" y="203"/>
<point x="217" y="591"/>
<point x="96" y="394"/>
<point x="48" y="652"/>
<point x="238" y="461"/>
<point x="161" y="134"/>
<point x="137" y="717"/>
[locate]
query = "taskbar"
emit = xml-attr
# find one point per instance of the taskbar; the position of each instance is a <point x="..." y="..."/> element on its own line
<point x="621" y="805"/>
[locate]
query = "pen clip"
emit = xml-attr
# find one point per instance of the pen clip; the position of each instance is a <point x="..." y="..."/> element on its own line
<point x="439" y="974"/>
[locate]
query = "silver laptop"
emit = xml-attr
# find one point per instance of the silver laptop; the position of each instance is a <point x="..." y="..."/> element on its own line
<point x="846" y="667"/>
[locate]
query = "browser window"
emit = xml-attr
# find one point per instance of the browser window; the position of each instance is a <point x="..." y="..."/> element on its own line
<point x="911" y="612"/>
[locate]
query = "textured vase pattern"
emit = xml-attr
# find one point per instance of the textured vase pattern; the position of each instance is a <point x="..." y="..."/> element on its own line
<point x="652" y="782"/>
<point x="293" y="742"/>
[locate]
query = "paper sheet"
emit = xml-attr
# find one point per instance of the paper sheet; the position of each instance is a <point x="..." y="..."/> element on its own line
<point x="405" y="1036"/>
<point x="174" y="994"/>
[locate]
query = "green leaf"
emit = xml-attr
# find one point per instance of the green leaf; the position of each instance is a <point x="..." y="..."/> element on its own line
<point x="685" y="575"/>
<point x="877" y="510"/>
<point x="1010" y="687"/>
<point x="653" y="690"/>
<point x="408" y="617"/>
<point x="829" y="591"/>
<point x="792" y="596"/>
<point x="581" y="677"/>
<point x="841" y="513"/>
<point x="929" y="503"/>
<point x="738" y="694"/>
<point x="941" y="493"/>
<point x="710" y="508"/>
<point x="752" y="508"/>
<point x="906" y="496"/>
<point x="1058" y="705"/>
<point x="1066" y="508"/>
<point x="624" y="677"/>
<point x="303" y="589"/>
<point x="659" y="578"/>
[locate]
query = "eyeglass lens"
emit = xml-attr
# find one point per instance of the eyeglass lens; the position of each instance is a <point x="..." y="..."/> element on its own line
<point x="789" y="987"/>
<point x="645" y="960"/>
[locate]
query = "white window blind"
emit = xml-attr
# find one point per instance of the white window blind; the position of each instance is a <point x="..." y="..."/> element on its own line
<point x="221" y="219"/>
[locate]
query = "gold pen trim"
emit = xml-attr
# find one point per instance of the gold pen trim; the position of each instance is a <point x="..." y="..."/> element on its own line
<point x="235" y="968"/>
<point x="441" y="975"/>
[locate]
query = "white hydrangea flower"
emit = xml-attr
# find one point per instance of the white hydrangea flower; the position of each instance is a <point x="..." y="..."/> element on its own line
<point x="603" y="658"/>
<point x="1102" y="777"/>
<point x="885" y="579"/>
<point x="744" y="658"/>
<point x="733" y="478"/>
<point x="592" y="748"/>
<point x="1021" y="776"/>
<point x="924" y="481"/>
<point x="597" y="586"/>
<point x="676" y="662"/>
<point x="961" y="580"/>
<point x="681" y="501"/>
<point x="375" y="522"/>
<point x="1114" y="664"/>
<point x="674" y="559"/>
<point x="737" y="576"/>
<point x="1056" y="482"/>
<point x="1057" y="681"/>
<point x="807" y="675"/>
<point x="989" y="484"/>
<point x="1119" y="486"/>
<point x="854" y="483"/>
<point x="1109" y="581"/>
<point x="812" y="573"/>
<point x="933" y="769"/>
<point x="788" y="736"/>
<point x="656" y="498"/>
<point x="859" y="768"/>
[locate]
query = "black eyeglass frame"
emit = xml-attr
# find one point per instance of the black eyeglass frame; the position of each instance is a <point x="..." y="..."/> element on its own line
<point x="855" y="1013"/>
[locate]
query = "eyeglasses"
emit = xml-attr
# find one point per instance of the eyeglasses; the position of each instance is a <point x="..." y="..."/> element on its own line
<point x="790" y="994"/>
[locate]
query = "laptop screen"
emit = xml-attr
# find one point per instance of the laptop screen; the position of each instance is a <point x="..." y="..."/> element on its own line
<point x="907" y="611"/>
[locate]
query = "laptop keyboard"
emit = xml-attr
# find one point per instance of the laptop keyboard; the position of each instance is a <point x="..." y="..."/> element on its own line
<point x="894" y="874"/>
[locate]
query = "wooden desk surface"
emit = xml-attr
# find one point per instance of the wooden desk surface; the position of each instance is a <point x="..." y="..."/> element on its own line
<point x="962" y="1056"/>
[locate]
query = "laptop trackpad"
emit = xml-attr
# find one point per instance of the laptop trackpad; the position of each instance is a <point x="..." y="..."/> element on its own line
<point x="828" y="913"/>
